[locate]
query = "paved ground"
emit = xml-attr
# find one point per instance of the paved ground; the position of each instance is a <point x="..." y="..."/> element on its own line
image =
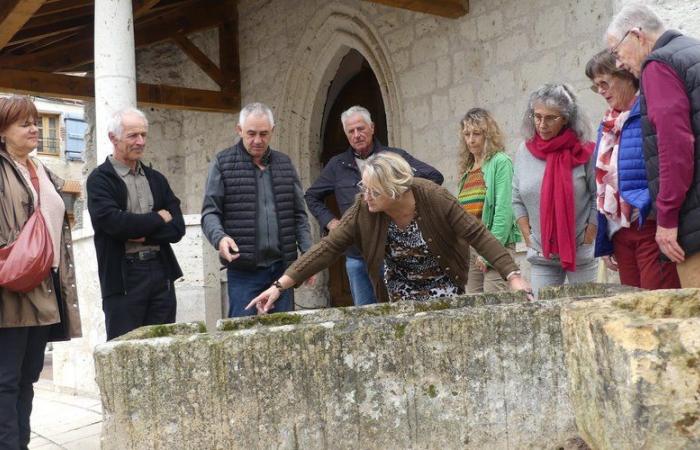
<point x="63" y="421"/>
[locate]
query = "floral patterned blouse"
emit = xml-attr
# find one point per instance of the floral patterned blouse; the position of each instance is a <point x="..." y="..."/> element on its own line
<point x="411" y="272"/>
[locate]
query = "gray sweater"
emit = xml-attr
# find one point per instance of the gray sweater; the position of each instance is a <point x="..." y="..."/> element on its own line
<point x="527" y="183"/>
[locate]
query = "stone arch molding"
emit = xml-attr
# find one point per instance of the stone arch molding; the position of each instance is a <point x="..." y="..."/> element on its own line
<point x="332" y="32"/>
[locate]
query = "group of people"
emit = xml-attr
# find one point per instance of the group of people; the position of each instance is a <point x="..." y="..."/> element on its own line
<point x="631" y="197"/>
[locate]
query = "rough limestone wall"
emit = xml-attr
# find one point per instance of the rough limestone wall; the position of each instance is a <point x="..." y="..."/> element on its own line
<point x="633" y="368"/>
<point x="444" y="374"/>
<point x="493" y="57"/>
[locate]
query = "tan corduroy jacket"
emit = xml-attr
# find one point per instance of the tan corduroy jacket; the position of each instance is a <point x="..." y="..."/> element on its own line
<point x="446" y="228"/>
<point x="38" y="307"/>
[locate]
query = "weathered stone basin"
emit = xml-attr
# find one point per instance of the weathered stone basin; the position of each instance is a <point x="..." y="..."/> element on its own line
<point x="470" y="372"/>
<point x="634" y="365"/>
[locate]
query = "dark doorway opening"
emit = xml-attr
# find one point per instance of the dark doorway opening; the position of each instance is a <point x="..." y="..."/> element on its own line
<point x="353" y="84"/>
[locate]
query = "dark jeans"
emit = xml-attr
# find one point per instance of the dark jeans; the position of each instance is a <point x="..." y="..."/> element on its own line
<point x="245" y="285"/>
<point x="149" y="299"/>
<point x="21" y="361"/>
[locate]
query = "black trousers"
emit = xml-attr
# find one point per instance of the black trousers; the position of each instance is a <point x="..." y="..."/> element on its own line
<point x="21" y="361"/>
<point x="149" y="299"/>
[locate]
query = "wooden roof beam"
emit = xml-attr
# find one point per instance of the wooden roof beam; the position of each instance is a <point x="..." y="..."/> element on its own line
<point x="157" y="27"/>
<point x="452" y="9"/>
<point x="199" y="58"/>
<point x="13" y="15"/>
<point x="83" y="88"/>
<point x="143" y="7"/>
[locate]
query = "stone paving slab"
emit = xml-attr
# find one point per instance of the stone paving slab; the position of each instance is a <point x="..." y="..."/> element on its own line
<point x="63" y="421"/>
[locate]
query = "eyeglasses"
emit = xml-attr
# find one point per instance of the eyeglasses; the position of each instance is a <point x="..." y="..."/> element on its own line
<point x="602" y="86"/>
<point x="548" y="120"/>
<point x="613" y="51"/>
<point x="371" y="193"/>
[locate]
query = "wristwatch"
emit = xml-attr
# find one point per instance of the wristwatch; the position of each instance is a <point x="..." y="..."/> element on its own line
<point x="278" y="285"/>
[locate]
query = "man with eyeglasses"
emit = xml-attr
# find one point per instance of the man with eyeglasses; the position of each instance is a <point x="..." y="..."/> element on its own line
<point x="341" y="177"/>
<point x="668" y="66"/>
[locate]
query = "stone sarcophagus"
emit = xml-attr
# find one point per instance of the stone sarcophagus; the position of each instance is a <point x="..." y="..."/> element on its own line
<point x="483" y="371"/>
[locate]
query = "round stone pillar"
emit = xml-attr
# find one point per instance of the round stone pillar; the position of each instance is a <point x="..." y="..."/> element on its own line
<point x="115" y="66"/>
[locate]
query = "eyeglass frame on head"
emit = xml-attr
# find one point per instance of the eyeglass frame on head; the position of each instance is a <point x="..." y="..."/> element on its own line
<point x="547" y="119"/>
<point x="613" y="51"/>
<point x="364" y="190"/>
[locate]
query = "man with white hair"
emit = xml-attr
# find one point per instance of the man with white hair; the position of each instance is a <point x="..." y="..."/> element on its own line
<point x="340" y="177"/>
<point x="668" y="66"/>
<point x="136" y="216"/>
<point x="253" y="212"/>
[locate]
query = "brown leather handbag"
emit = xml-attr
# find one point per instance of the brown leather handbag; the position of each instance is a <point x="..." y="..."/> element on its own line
<point x="26" y="262"/>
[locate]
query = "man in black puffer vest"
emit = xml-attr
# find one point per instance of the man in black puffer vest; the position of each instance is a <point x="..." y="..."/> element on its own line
<point x="668" y="65"/>
<point x="254" y="212"/>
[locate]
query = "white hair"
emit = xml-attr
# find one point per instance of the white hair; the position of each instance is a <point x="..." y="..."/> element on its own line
<point x="115" y="125"/>
<point x="256" y="109"/>
<point x="362" y="111"/>
<point x="635" y="15"/>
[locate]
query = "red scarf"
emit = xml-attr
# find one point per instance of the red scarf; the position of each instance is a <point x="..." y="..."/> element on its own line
<point x="557" y="208"/>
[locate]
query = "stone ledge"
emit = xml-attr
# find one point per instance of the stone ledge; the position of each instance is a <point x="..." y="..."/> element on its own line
<point x="633" y="364"/>
<point x="469" y="372"/>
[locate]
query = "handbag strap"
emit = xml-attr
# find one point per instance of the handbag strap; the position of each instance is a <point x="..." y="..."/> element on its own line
<point x="35" y="180"/>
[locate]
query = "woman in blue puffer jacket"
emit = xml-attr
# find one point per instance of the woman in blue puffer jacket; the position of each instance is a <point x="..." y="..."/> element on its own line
<point x="626" y="222"/>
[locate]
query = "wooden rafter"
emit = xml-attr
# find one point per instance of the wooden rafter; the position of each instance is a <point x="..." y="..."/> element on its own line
<point x="13" y="15"/>
<point x="143" y="7"/>
<point x="157" y="27"/>
<point x="199" y="58"/>
<point x="229" y="56"/>
<point x="83" y="88"/>
<point x="68" y="25"/>
<point x="445" y="8"/>
<point x="59" y="6"/>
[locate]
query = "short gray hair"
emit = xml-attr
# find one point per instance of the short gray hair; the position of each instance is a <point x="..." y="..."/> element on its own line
<point x="347" y="114"/>
<point x="256" y="109"/>
<point x="635" y="15"/>
<point x="561" y="97"/>
<point x="115" y="125"/>
<point x="389" y="173"/>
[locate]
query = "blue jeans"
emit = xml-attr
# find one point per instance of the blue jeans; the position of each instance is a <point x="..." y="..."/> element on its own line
<point x="548" y="272"/>
<point x="245" y="285"/>
<point x="360" y="284"/>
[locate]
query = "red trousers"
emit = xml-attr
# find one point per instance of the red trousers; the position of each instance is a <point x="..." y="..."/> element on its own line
<point x="638" y="259"/>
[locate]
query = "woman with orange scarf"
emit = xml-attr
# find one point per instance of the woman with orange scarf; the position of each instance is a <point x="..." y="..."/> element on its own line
<point x="554" y="189"/>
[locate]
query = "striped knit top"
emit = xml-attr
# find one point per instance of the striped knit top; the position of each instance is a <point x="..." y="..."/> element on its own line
<point x="473" y="193"/>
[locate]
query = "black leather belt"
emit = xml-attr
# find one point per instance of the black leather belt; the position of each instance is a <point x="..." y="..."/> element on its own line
<point x="145" y="255"/>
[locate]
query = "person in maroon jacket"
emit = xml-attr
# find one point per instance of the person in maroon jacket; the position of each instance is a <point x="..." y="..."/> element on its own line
<point x="668" y="66"/>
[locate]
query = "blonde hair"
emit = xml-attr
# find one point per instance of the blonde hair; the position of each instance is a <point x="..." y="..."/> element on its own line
<point x="480" y="119"/>
<point x="389" y="173"/>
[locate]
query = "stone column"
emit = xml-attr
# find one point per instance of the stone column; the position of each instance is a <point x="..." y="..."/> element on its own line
<point x="115" y="66"/>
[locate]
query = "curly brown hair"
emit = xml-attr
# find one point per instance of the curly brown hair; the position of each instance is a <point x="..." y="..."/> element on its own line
<point x="480" y="119"/>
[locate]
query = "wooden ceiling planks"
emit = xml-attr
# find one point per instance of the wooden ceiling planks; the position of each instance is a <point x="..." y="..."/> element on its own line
<point x="44" y="37"/>
<point x="452" y="9"/>
<point x="14" y="14"/>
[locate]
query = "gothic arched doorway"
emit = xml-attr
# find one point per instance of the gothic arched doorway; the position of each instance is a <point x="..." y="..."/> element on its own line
<point x="354" y="84"/>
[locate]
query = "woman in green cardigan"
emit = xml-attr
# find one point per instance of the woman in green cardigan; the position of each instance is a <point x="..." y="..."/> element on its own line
<point x="485" y="192"/>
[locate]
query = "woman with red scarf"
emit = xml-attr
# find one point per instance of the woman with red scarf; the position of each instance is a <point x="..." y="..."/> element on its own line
<point x="626" y="225"/>
<point x="554" y="189"/>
